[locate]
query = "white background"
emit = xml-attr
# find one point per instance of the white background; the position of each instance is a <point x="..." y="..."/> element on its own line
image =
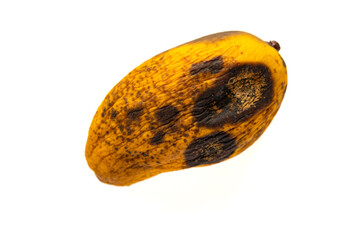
<point x="58" y="60"/>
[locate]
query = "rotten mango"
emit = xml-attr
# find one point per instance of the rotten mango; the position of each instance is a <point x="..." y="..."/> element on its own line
<point x="197" y="104"/>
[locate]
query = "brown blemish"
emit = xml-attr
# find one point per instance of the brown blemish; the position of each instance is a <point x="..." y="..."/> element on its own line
<point x="129" y="130"/>
<point x="135" y="113"/>
<point x="113" y="114"/>
<point x="237" y="95"/>
<point x="103" y="112"/>
<point x="157" y="138"/>
<point x="166" y="114"/>
<point x="209" y="149"/>
<point x="212" y="66"/>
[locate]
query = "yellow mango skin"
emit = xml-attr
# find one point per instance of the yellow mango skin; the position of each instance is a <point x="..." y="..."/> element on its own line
<point x="197" y="104"/>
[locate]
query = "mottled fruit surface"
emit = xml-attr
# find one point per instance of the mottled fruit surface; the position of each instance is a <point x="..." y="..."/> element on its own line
<point x="194" y="105"/>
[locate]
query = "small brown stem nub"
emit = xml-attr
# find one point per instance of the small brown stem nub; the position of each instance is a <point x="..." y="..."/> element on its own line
<point x="274" y="44"/>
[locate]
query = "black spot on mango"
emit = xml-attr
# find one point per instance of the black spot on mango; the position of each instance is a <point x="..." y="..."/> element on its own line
<point x="209" y="149"/>
<point x="166" y="114"/>
<point x="135" y="113"/>
<point x="114" y="113"/>
<point x="157" y="138"/>
<point x="237" y="95"/>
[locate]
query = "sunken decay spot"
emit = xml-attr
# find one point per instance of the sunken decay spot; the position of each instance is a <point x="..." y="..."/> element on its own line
<point x="135" y="113"/>
<point x="212" y="148"/>
<point x="166" y="114"/>
<point x="157" y="138"/>
<point x="237" y="95"/>
<point x="212" y="66"/>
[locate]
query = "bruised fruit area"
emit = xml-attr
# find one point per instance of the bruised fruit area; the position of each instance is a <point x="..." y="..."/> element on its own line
<point x="238" y="94"/>
<point x="194" y="105"/>
<point x="209" y="149"/>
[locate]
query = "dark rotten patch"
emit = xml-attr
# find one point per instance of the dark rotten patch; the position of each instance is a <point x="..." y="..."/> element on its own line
<point x="212" y="148"/>
<point x="237" y="95"/>
<point x="114" y="113"/>
<point x="135" y="113"/>
<point x="157" y="138"/>
<point x="166" y="114"/>
<point x="212" y="66"/>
